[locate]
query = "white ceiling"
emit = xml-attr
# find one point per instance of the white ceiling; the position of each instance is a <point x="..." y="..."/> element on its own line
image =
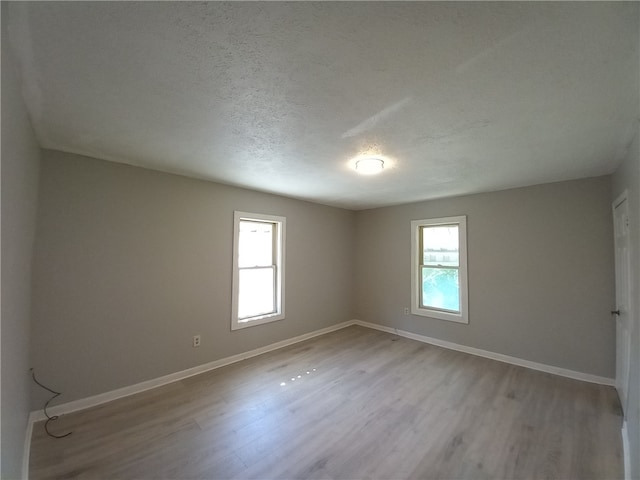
<point x="463" y="97"/>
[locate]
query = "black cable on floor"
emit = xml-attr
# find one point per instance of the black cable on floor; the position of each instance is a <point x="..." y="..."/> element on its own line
<point x="49" y="419"/>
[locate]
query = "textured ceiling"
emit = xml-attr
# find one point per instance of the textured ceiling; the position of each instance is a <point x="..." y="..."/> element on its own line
<point x="463" y="97"/>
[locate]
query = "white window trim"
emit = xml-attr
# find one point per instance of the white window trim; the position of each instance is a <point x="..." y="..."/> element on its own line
<point x="236" y="323"/>
<point x="416" y="309"/>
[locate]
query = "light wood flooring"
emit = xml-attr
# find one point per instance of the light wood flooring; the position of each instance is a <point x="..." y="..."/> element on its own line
<point x="364" y="404"/>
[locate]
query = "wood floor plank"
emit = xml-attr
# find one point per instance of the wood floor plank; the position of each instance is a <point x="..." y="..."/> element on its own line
<point x="355" y="403"/>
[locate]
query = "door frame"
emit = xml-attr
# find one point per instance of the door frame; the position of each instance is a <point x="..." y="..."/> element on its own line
<point x="624" y="196"/>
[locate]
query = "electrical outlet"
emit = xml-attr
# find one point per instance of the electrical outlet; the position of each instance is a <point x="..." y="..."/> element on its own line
<point x="196" y="340"/>
<point x="406" y="310"/>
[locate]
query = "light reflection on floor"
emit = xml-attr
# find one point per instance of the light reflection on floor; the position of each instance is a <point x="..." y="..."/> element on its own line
<point x="299" y="377"/>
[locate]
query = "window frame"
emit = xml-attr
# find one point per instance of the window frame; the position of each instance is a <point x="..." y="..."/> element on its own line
<point x="279" y="254"/>
<point x="461" y="316"/>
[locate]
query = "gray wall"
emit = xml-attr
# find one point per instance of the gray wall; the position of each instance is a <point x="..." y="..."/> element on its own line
<point x="627" y="177"/>
<point x="20" y="157"/>
<point x="540" y="273"/>
<point x="131" y="263"/>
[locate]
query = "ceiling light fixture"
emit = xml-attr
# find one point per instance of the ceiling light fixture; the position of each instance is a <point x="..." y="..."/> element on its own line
<point x="369" y="165"/>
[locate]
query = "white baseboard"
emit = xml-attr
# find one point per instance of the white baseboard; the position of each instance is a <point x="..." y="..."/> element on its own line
<point x="101" y="398"/>
<point x="585" y="377"/>
<point x="26" y="452"/>
<point x="625" y="451"/>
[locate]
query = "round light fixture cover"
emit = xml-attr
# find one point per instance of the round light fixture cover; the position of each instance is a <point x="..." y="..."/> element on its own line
<point x="369" y="165"/>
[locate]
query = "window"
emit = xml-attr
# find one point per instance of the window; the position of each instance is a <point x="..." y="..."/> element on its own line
<point x="439" y="268"/>
<point x="258" y="269"/>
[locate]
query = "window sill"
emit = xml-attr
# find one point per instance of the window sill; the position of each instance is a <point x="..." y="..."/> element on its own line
<point x="240" y="324"/>
<point x="441" y="315"/>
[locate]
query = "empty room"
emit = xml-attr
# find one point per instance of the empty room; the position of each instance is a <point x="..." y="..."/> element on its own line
<point x="320" y="240"/>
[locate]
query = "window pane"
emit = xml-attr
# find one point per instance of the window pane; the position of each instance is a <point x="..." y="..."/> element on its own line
<point x="255" y="246"/>
<point x="440" y="288"/>
<point x="440" y="245"/>
<point x="256" y="292"/>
